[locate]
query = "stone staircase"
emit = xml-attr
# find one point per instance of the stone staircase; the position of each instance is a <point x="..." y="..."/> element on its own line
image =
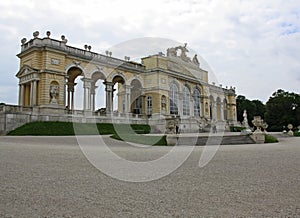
<point x="215" y="140"/>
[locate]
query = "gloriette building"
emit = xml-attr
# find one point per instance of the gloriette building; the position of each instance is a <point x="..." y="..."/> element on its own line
<point x="155" y="91"/>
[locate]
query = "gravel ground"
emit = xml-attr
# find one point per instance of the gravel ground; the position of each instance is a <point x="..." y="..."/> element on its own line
<point x="50" y="177"/>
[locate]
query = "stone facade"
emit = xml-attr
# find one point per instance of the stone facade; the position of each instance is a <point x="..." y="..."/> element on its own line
<point x="158" y="88"/>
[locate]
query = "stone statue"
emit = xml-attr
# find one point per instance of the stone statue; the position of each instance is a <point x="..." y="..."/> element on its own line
<point x="184" y="50"/>
<point x="245" y="121"/>
<point x="195" y="60"/>
<point x="53" y="94"/>
<point x="172" y="52"/>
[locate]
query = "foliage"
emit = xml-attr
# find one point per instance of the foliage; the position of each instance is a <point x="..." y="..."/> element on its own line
<point x="282" y="108"/>
<point x="297" y="133"/>
<point x="141" y="139"/>
<point x="254" y="108"/>
<point x="67" y="128"/>
<point x="270" y="139"/>
<point x="236" y="128"/>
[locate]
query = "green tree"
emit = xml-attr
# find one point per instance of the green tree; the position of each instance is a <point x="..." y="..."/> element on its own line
<point x="242" y="103"/>
<point x="282" y="108"/>
<point x="260" y="108"/>
<point x="254" y="108"/>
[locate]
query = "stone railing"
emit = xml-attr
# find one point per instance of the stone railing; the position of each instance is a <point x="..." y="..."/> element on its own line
<point x="87" y="54"/>
<point x="14" y="109"/>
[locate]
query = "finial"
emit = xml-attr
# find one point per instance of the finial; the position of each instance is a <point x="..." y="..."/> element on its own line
<point x="36" y="34"/>
<point x="23" y="41"/>
<point x="48" y="33"/>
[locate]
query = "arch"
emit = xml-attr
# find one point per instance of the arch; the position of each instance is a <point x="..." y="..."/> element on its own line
<point x="97" y="98"/>
<point x="186" y="101"/>
<point x="97" y="74"/>
<point x="136" y="96"/>
<point x="116" y="77"/>
<point x="173" y="96"/>
<point x="129" y="81"/>
<point x="176" y="82"/>
<point x="73" y="72"/>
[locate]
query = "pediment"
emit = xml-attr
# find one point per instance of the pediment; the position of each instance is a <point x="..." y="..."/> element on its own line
<point x="25" y="70"/>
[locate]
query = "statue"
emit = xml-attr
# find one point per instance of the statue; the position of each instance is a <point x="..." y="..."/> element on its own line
<point x="245" y="121"/>
<point x="171" y="52"/>
<point x="195" y="60"/>
<point x="53" y="94"/>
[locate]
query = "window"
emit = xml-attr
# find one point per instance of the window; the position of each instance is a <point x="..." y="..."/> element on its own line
<point x="197" y="104"/>
<point x="173" y="99"/>
<point x="186" y="101"/>
<point x="149" y="105"/>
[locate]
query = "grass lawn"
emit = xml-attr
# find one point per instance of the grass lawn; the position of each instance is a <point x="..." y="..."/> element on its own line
<point x="67" y="128"/>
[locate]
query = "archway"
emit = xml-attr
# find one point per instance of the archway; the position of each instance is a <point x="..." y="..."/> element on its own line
<point x="136" y="106"/>
<point x="98" y="96"/>
<point x="117" y="87"/>
<point x="73" y="79"/>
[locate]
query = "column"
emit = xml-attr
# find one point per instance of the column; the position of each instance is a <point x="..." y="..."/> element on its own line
<point x="31" y="94"/>
<point x="222" y="112"/>
<point x="34" y="93"/>
<point x="127" y="90"/>
<point x="109" y="96"/>
<point x="180" y="104"/>
<point x="21" y="95"/>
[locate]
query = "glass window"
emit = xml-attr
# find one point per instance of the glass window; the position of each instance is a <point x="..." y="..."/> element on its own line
<point x="149" y="105"/>
<point x="173" y="99"/>
<point x="186" y="101"/>
<point x="197" y="103"/>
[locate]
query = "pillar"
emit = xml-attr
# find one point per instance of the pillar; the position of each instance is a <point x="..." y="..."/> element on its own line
<point x="34" y="93"/>
<point x="109" y="96"/>
<point x="21" y="94"/>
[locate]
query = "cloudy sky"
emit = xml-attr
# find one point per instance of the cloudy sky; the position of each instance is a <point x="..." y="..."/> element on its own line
<point x="252" y="45"/>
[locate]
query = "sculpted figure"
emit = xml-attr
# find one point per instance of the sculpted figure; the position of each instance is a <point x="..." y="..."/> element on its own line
<point x="53" y="94"/>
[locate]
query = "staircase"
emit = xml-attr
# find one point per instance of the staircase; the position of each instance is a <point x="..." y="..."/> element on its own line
<point x="215" y="140"/>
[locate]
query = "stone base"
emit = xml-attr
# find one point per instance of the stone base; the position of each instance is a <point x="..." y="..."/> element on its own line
<point x="258" y="137"/>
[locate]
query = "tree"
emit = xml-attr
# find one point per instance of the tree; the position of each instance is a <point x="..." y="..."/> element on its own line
<point x="282" y="108"/>
<point x="244" y="104"/>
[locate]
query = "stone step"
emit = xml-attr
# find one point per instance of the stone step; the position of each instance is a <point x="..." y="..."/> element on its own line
<point x="215" y="140"/>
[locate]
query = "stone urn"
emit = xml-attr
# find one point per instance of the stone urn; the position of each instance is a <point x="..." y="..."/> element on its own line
<point x="290" y="132"/>
<point x="258" y="135"/>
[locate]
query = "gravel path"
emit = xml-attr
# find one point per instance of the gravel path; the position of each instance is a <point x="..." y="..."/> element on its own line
<point x="50" y="177"/>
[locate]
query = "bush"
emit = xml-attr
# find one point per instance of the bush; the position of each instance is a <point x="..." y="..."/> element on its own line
<point x="236" y="128"/>
<point x="297" y="133"/>
<point x="270" y="139"/>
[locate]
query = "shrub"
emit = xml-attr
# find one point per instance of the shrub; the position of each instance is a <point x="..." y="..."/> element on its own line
<point x="297" y="133"/>
<point x="236" y="128"/>
<point x="270" y="139"/>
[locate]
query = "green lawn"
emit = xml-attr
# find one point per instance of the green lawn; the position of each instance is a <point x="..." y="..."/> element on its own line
<point x="68" y="128"/>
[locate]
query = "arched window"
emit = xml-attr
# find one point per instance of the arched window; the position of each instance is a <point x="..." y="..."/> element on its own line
<point x="197" y="103"/>
<point x="186" y="101"/>
<point x="173" y="99"/>
<point x="149" y="105"/>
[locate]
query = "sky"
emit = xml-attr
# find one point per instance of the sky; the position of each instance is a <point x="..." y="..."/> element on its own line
<point x="251" y="45"/>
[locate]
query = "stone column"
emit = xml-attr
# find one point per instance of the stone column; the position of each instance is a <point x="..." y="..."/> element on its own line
<point x="180" y="104"/>
<point x="34" y="93"/>
<point x="31" y="94"/>
<point x="109" y="96"/>
<point x="87" y="94"/>
<point x="222" y="112"/>
<point x="127" y="100"/>
<point x="93" y="94"/>
<point x="21" y="95"/>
